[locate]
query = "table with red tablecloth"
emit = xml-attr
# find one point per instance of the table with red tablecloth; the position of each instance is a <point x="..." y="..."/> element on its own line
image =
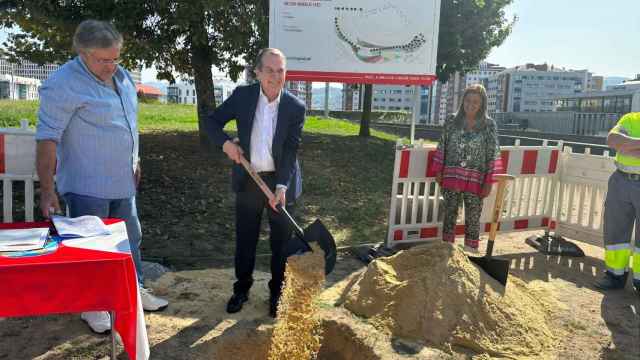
<point x="84" y="274"/>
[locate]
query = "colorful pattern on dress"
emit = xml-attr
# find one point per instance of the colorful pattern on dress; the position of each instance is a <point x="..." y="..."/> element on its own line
<point x="467" y="159"/>
<point x="472" y="211"/>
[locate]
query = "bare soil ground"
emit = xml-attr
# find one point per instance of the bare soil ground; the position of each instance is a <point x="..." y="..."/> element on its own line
<point x="587" y="323"/>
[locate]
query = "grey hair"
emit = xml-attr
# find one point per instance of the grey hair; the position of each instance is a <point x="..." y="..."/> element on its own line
<point x="96" y="34"/>
<point x="265" y="51"/>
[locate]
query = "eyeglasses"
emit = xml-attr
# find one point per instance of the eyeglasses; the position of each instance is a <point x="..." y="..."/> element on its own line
<point x="105" y="61"/>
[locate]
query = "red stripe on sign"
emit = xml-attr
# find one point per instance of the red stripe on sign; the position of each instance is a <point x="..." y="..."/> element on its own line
<point x="553" y="225"/>
<point x="404" y="163"/>
<point x="544" y="222"/>
<point x="505" y="160"/>
<point x="428" y="232"/>
<point x="2" y="163"/>
<point x="529" y="159"/>
<point x="487" y="227"/>
<point x="553" y="163"/>
<point x="430" y="171"/>
<point x="459" y="229"/>
<point x="360" y="78"/>
<point x="521" y="224"/>
<point x="397" y="235"/>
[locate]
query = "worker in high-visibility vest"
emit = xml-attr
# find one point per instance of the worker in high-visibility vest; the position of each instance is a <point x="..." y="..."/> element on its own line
<point x="622" y="207"/>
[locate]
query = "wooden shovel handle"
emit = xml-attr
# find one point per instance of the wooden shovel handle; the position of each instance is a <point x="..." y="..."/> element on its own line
<point x="254" y="175"/>
<point x="503" y="179"/>
<point x="270" y="196"/>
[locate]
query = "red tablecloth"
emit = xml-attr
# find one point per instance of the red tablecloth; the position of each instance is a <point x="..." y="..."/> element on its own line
<point x="77" y="278"/>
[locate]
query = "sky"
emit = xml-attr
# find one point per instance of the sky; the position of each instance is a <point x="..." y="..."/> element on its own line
<point x="601" y="36"/>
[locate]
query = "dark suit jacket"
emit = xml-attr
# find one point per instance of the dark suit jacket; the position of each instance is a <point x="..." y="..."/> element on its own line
<point x="241" y="106"/>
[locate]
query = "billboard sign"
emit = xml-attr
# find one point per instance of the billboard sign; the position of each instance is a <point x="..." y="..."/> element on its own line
<point x="357" y="41"/>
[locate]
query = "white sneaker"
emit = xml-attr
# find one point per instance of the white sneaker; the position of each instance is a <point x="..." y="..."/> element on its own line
<point x="151" y="302"/>
<point x="98" y="321"/>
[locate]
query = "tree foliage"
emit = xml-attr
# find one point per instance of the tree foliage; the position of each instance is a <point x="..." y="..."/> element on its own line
<point x="185" y="37"/>
<point x="469" y="29"/>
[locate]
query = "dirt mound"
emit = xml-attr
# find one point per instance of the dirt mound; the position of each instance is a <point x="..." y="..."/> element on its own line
<point x="246" y="340"/>
<point x="433" y="293"/>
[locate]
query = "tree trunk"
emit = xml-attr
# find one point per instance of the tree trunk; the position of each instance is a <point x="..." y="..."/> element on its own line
<point x="203" y="78"/>
<point x="366" y="111"/>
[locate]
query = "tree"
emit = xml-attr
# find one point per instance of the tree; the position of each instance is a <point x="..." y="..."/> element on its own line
<point x="468" y="30"/>
<point x="185" y="37"/>
<point x="366" y="111"/>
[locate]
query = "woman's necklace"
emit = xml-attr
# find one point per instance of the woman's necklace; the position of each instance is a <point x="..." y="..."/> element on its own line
<point x="467" y="136"/>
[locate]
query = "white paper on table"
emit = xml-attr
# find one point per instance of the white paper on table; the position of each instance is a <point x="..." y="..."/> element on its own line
<point x="83" y="226"/>
<point x="23" y="239"/>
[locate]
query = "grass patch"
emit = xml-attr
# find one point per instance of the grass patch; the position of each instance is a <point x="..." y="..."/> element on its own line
<point x="174" y="117"/>
<point x="11" y="112"/>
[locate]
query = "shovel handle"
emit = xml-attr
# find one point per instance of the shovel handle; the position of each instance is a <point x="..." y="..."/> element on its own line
<point x="270" y="196"/>
<point x="503" y="179"/>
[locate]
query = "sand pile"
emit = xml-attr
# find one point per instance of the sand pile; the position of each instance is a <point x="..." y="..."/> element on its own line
<point x="297" y="333"/>
<point x="433" y="293"/>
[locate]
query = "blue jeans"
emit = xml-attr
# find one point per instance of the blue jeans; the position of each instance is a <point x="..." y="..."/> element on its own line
<point x="124" y="209"/>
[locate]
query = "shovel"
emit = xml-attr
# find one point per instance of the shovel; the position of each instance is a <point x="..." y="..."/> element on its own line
<point x="299" y="244"/>
<point x="496" y="268"/>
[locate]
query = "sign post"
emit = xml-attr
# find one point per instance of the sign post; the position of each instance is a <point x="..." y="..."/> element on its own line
<point x="415" y="115"/>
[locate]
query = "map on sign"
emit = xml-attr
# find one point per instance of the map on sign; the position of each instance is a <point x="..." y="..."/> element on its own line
<point x="362" y="41"/>
<point x="397" y="37"/>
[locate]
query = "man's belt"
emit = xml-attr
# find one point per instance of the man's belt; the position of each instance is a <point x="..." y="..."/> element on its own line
<point x="630" y="176"/>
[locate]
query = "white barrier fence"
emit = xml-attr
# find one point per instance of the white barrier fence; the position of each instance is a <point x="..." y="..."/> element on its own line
<point x="553" y="189"/>
<point x="17" y="164"/>
<point x="580" y="203"/>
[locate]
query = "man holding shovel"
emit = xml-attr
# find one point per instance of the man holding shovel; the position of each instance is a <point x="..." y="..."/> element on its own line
<point x="269" y="122"/>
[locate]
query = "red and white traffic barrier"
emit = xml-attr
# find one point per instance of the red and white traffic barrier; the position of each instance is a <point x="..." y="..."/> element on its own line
<point x="435" y="232"/>
<point x="416" y="211"/>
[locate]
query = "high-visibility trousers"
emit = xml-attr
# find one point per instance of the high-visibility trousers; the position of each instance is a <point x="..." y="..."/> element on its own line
<point x="621" y="211"/>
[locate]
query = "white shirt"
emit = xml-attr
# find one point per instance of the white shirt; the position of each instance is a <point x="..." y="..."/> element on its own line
<point x="264" y="128"/>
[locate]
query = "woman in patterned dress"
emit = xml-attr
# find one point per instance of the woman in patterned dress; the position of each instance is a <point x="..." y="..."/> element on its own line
<point x="467" y="157"/>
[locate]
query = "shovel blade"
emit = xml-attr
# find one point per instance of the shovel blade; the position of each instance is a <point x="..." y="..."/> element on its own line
<point x="496" y="268"/>
<point x="318" y="233"/>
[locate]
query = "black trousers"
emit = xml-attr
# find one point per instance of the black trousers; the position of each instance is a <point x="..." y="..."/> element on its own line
<point x="250" y="205"/>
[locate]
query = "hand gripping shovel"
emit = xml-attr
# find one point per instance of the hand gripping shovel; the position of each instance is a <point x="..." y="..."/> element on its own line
<point x="316" y="232"/>
<point x="496" y="268"/>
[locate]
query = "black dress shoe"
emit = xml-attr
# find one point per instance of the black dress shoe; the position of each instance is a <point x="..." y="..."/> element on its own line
<point x="611" y="282"/>
<point x="235" y="303"/>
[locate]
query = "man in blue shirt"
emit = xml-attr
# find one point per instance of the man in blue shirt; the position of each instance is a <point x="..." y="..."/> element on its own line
<point x="87" y="136"/>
